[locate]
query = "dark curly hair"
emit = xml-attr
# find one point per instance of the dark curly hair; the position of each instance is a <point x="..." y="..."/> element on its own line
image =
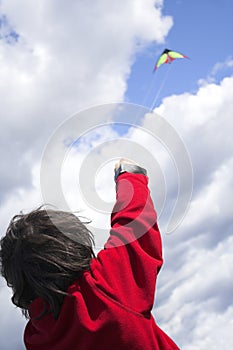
<point x="42" y="253"/>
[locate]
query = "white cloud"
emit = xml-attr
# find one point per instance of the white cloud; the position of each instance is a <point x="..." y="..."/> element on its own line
<point x="218" y="68"/>
<point x="198" y="297"/>
<point x="195" y="287"/>
<point x="66" y="58"/>
<point x="12" y="320"/>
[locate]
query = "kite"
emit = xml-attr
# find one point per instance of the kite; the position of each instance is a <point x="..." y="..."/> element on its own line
<point x="168" y="56"/>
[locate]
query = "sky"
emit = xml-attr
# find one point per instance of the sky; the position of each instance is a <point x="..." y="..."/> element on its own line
<point x="77" y="90"/>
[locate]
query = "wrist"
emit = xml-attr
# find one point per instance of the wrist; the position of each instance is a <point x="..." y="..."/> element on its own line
<point x="129" y="168"/>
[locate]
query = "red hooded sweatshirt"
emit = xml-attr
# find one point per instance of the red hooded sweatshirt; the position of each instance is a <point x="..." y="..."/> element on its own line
<point x="110" y="307"/>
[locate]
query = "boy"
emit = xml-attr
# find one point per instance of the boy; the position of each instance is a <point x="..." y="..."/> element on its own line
<point x="75" y="301"/>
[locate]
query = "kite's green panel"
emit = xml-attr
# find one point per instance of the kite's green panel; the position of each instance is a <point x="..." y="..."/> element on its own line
<point x="174" y="54"/>
<point x="162" y="59"/>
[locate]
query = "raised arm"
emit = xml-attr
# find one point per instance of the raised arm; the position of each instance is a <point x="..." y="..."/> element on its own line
<point x="133" y="253"/>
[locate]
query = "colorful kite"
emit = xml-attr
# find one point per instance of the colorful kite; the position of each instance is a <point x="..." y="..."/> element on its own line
<point x="168" y="56"/>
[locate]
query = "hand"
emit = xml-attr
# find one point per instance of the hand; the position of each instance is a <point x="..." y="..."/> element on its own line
<point x="124" y="161"/>
<point x="128" y="165"/>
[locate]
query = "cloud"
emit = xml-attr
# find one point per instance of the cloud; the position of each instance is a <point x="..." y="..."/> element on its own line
<point x="12" y="320"/>
<point x="217" y="71"/>
<point x="65" y="58"/>
<point x="195" y="287"/>
<point x="196" y="296"/>
<point x="228" y="63"/>
<point x="206" y="118"/>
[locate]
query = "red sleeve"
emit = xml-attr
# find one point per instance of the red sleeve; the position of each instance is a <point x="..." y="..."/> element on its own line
<point x="127" y="268"/>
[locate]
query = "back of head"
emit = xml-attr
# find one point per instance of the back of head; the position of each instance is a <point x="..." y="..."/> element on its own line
<point x="42" y="253"/>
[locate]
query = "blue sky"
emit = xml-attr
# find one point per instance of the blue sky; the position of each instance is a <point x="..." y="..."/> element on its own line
<point x="70" y="61"/>
<point x="203" y="31"/>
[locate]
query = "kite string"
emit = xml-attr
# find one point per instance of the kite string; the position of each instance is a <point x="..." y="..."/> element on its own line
<point x="160" y="89"/>
<point x="158" y="92"/>
<point x="145" y="98"/>
<point x="148" y="90"/>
